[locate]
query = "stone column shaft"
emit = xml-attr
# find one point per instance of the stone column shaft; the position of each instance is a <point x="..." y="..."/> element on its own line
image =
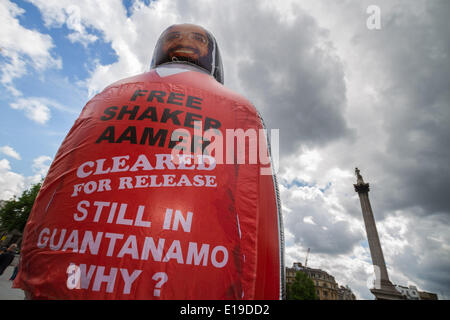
<point x="372" y="236"/>
<point x="384" y="289"/>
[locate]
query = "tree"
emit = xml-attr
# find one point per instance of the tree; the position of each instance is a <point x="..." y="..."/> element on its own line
<point x="302" y="288"/>
<point x="14" y="213"/>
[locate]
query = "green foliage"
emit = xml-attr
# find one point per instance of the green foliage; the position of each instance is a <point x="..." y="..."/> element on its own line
<point x="14" y="213"/>
<point x="301" y="289"/>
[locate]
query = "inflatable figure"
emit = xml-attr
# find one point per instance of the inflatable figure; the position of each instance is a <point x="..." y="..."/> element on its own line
<point x="155" y="192"/>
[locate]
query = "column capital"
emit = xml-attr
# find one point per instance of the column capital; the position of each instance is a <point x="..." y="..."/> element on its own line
<point x="362" y="187"/>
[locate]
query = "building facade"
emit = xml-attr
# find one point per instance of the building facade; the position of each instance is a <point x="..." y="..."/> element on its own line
<point x="411" y="293"/>
<point x="345" y="293"/>
<point x="325" y="285"/>
<point x="427" y="296"/>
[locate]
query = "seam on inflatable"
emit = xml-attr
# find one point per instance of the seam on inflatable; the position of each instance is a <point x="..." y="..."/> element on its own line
<point x="279" y="214"/>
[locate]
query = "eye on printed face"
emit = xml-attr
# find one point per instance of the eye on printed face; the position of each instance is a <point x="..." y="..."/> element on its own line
<point x="185" y="41"/>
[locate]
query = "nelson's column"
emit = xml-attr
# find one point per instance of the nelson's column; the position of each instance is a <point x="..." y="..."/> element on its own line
<point x="384" y="289"/>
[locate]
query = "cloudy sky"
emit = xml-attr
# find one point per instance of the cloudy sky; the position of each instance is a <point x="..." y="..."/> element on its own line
<point x="343" y="92"/>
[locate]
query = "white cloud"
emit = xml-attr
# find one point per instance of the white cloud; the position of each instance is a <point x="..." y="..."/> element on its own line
<point x="41" y="165"/>
<point x="309" y="219"/>
<point x="10" y="152"/>
<point x="21" y="47"/>
<point x="33" y="108"/>
<point x="11" y="183"/>
<point x="74" y="23"/>
<point x="38" y="109"/>
<point x="110" y="20"/>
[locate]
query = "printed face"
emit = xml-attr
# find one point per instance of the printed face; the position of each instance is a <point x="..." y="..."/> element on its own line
<point x="185" y="41"/>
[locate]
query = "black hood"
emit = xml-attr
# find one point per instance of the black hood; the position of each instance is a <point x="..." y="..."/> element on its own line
<point x="211" y="62"/>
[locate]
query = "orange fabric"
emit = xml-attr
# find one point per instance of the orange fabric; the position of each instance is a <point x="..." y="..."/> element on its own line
<point x="117" y="218"/>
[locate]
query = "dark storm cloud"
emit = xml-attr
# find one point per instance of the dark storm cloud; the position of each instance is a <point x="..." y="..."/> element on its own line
<point x="413" y="50"/>
<point x="287" y="69"/>
<point x="430" y="267"/>
<point x="336" y="239"/>
<point x="298" y="86"/>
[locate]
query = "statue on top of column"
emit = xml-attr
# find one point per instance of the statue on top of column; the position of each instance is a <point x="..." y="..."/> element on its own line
<point x="358" y="177"/>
